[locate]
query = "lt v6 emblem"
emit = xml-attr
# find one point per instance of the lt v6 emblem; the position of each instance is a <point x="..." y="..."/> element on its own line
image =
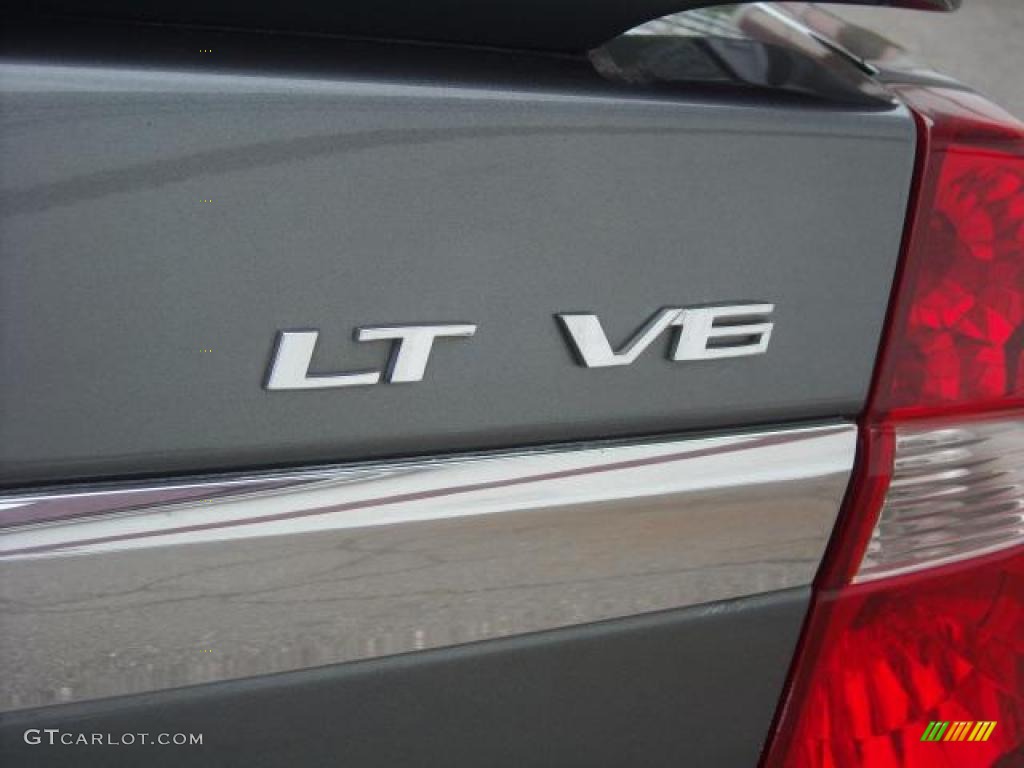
<point x="704" y="333"/>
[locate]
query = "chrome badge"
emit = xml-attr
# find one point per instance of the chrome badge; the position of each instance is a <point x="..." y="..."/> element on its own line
<point x="701" y="333"/>
<point x="410" y="350"/>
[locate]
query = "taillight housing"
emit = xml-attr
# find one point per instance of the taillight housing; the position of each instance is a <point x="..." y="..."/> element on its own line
<point x="917" y="618"/>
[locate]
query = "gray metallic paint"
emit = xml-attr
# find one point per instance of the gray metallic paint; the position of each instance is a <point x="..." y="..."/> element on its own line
<point x="676" y="688"/>
<point x="375" y="199"/>
<point x="360" y="183"/>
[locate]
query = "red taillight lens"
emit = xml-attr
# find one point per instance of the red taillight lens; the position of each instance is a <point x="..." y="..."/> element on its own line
<point x="891" y="657"/>
<point x="918" y="613"/>
<point x="958" y="339"/>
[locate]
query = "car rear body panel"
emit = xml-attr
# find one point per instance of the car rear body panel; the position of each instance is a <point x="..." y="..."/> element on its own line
<point x="205" y="209"/>
<point x="518" y="560"/>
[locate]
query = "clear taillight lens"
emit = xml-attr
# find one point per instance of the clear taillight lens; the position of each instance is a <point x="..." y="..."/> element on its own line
<point x="918" y="612"/>
<point x="956" y="491"/>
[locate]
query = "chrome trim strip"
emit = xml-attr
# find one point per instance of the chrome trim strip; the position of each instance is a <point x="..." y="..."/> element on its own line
<point x="115" y="590"/>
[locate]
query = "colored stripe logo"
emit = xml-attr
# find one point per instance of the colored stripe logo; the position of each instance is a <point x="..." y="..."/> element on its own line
<point x="961" y="730"/>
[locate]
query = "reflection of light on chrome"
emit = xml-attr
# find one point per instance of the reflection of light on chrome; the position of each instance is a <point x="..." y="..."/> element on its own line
<point x="13" y="504"/>
<point x="347" y="498"/>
